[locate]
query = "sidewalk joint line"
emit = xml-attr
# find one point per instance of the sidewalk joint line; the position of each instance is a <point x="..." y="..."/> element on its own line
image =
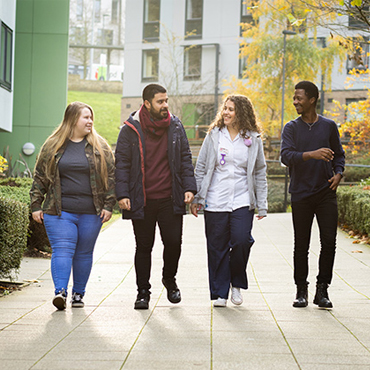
<point x="211" y="334"/>
<point x="349" y="330"/>
<point x="77" y="326"/>
<point x="274" y="318"/>
<point x="142" y="329"/>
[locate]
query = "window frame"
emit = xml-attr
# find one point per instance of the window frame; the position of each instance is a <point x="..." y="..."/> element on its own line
<point x="190" y="21"/>
<point x="151" y="24"/>
<point x="350" y="64"/>
<point x="144" y="65"/>
<point x="6" y="57"/>
<point x="192" y="76"/>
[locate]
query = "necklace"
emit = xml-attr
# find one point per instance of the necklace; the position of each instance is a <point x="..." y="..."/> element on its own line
<point x="310" y="125"/>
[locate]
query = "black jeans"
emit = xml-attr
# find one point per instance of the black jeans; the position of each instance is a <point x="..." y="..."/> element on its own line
<point x="324" y="206"/>
<point x="170" y="225"/>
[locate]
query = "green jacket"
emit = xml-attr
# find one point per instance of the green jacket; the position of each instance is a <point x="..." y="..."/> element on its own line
<point x="52" y="189"/>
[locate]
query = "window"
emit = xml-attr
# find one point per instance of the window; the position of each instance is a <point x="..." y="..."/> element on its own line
<point x="6" y="56"/>
<point x="355" y="22"/>
<point x="353" y="111"/>
<point x="194" y="18"/>
<point x="105" y="37"/>
<point x="79" y="9"/>
<point x="246" y="13"/>
<point x="242" y="64"/>
<point x="192" y="62"/>
<point x="150" y="65"/>
<point x="97" y="9"/>
<point x="115" y="11"/>
<point x="151" y="19"/>
<point x="360" y="59"/>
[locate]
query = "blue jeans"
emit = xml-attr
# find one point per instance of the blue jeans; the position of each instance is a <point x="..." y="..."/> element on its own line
<point x="229" y="241"/>
<point x="72" y="237"/>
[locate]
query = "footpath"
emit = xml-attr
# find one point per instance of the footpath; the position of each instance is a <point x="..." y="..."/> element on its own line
<point x="265" y="332"/>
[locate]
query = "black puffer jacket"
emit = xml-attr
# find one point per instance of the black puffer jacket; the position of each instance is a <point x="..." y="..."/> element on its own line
<point x="130" y="168"/>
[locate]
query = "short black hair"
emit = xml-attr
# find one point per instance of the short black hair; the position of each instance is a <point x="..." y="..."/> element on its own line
<point x="310" y="89"/>
<point x="152" y="89"/>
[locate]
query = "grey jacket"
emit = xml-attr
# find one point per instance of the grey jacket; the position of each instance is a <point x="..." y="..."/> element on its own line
<point x="256" y="170"/>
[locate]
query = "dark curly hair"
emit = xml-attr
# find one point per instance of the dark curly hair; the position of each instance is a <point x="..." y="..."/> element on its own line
<point x="245" y="116"/>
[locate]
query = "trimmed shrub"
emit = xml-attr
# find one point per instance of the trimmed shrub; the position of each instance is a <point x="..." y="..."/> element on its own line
<point x="13" y="235"/>
<point x="18" y="189"/>
<point x="354" y="208"/>
<point x="275" y="196"/>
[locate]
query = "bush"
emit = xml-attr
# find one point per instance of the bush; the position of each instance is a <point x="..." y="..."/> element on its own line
<point x="354" y="208"/>
<point x="13" y="234"/>
<point x="275" y="196"/>
<point x="18" y="189"/>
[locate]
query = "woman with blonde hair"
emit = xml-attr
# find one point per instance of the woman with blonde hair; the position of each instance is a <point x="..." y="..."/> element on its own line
<point x="75" y="174"/>
<point x="231" y="183"/>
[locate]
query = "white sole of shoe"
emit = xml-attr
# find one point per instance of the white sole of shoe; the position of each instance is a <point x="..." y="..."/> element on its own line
<point x="59" y="302"/>
<point x="220" y="302"/>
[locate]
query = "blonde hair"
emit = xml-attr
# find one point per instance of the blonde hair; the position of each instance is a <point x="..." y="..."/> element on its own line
<point x="245" y="116"/>
<point x="64" y="132"/>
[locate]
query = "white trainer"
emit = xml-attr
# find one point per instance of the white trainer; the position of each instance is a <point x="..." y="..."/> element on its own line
<point x="220" y="302"/>
<point x="236" y="296"/>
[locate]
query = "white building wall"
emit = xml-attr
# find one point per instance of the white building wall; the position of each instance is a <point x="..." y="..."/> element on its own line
<point x="221" y="25"/>
<point x="7" y="15"/>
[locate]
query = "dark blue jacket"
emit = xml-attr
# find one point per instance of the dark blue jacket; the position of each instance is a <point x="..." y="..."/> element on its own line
<point x="130" y="166"/>
<point x="310" y="177"/>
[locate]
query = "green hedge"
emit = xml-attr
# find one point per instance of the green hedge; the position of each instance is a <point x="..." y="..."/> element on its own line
<point x="14" y="216"/>
<point x="18" y="189"/>
<point x="354" y="208"/>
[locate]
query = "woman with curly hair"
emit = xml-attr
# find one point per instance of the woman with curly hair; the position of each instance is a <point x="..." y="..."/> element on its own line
<point x="75" y="174"/>
<point x="231" y="183"/>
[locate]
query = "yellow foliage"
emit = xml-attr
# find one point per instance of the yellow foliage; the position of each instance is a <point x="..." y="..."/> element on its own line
<point x="261" y="47"/>
<point x="3" y="164"/>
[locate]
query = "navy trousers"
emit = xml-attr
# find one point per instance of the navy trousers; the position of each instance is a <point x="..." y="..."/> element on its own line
<point x="229" y="241"/>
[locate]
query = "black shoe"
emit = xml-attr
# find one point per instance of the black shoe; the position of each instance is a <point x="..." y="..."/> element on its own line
<point x="77" y="300"/>
<point x="301" y="297"/>
<point x="142" y="300"/>
<point x="322" y="297"/>
<point x="59" y="300"/>
<point x="173" y="292"/>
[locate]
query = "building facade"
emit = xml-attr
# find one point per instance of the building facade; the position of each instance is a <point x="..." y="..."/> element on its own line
<point x="7" y="37"/>
<point x="191" y="46"/>
<point x="38" y="81"/>
<point x="99" y="23"/>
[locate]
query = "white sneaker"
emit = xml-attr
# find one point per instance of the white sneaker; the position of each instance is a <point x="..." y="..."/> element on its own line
<point x="236" y="296"/>
<point x="220" y="302"/>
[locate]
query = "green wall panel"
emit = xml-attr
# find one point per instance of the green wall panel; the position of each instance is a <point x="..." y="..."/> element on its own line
<point x="49" y="86"/>
<point x="51" y="16"/>
<point x="22" y="80"/>
<point x="40" y="73"/>
<point x="24" y="20"/>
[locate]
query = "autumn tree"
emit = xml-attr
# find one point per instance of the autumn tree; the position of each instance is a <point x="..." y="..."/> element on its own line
<point x="261" y="48"/>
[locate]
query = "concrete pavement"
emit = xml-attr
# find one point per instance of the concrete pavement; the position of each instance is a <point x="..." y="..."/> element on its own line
<point x="266" y="332"/>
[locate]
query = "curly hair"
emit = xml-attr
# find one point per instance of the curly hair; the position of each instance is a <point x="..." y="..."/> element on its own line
<point x="245" y="116"/>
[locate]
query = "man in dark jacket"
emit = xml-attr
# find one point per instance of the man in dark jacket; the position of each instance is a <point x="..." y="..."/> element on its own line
<point x="154" y="181"/>
<point x="312" y="150"/>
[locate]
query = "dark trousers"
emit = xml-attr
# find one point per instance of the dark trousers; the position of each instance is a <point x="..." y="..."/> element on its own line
<point x="229" y="241"/>
<point x="170" y="225"/>
<point x="323" y="205"/>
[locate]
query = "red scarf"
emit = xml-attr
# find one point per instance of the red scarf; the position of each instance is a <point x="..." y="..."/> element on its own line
<point x="149" y="125"/>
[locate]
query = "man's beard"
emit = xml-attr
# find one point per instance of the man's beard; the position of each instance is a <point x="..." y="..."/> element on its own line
<point x="159" y="115"/>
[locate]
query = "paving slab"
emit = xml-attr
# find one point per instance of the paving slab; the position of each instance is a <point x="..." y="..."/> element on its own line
<point x="265" y="332"/>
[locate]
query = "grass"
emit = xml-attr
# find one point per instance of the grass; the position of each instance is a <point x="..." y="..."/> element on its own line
<point x="107" y="111"/>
